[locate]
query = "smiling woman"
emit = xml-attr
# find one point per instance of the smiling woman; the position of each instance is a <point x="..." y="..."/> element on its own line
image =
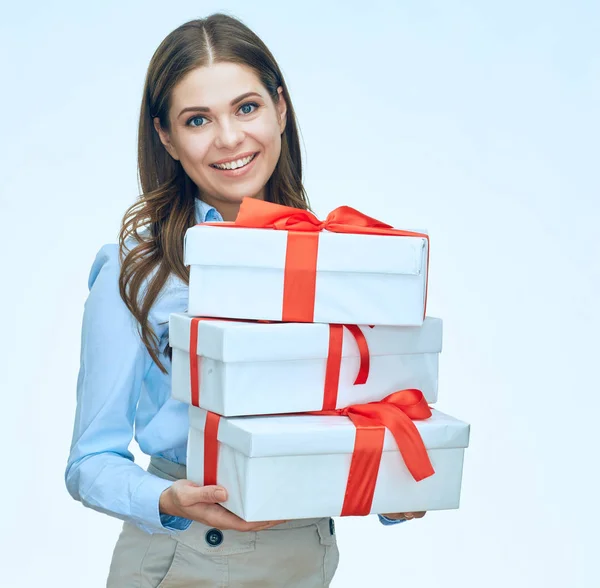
<point x="214" y="94"/>
<point x="229" y="150"/>
<point x="216" y="125"/>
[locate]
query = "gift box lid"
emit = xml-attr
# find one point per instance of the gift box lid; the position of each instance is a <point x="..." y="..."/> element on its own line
<point x="338" y="252"/>
<point x="239" y="341"/>
<point x="270" y="436"/>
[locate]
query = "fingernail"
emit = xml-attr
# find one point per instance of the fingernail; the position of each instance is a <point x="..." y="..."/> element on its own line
<point x="220" y="494"/>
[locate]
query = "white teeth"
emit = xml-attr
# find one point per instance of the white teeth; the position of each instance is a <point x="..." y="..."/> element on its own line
<point x="234" y="164"/>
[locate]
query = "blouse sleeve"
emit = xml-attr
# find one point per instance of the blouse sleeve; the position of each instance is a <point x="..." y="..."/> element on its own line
<point x="101" y="472"/>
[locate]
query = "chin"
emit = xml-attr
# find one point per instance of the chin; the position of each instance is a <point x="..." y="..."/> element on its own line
<point x="233" y="198"/>
<point x="243" y="193"/>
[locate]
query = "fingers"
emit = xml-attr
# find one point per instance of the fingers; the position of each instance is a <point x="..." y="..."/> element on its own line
<point x="405" y="515"/>
<point x="217" y="516"/>
<point x="394" y="515"/>
<point x="201" y="503"/>
<point x="211" y="494"/>
<point x="189" y="494"/>
<point x="413" y="515"/>
<point x="268" y="525"/>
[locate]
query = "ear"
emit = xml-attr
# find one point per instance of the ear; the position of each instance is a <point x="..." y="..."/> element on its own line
<point x="281" y="110"/>
<point x="165" y="139"/>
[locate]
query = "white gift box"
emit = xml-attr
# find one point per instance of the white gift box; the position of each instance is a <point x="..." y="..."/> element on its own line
<point x="250" y="368"/>
<point x="293" y="467"/>
<point x="360" y="279"/>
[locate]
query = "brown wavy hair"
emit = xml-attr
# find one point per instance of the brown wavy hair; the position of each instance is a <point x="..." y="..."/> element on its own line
<point x="159" y="218"/>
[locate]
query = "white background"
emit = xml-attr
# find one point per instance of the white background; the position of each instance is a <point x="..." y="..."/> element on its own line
<point x="475" y="120"/>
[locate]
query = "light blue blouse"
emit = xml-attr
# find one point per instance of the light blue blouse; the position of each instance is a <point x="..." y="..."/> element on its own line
<point x="122" y="393"/>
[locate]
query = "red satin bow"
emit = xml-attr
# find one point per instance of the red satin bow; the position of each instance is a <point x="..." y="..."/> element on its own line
<point x="395" y="412"/>
<point x="344" y="219"/>
<point x="300" y="275"/>
<point x="332" y="370"/>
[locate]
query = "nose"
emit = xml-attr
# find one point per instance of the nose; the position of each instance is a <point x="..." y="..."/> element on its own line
<point x="229" y="135"/>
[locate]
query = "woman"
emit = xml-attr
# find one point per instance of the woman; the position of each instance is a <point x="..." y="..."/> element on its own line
<point x="216" y="125"/>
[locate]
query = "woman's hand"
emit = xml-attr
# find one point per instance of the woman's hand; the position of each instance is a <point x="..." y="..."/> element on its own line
<point x="405" y="515"/>
<point x="186" y="499"/>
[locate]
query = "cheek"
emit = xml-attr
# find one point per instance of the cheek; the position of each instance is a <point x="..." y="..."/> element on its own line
<point x="270" y="139"/>
<point x="194" y="149"/>
<point x="265" y="131"/>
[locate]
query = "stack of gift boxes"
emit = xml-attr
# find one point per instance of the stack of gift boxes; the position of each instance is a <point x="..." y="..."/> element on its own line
<point x="309" y="364"/>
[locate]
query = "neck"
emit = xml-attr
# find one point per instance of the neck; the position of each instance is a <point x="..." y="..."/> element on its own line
<point x="229" y="210"/>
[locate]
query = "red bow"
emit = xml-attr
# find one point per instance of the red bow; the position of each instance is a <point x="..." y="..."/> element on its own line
<point x="395" y="412"/>
<point x="344" y="219"/>
<point x="303" y="228"/>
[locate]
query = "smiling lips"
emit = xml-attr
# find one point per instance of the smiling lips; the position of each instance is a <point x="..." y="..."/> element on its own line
<point x="232" y="165"/>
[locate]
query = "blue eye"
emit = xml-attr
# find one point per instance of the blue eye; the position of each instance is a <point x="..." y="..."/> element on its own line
<point x="253" y="105"/>
<point x="249" y="104"/>
<point x="194" y="118"/>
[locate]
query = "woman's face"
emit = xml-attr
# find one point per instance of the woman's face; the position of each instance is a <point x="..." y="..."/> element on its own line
<point x="223" y="114"/>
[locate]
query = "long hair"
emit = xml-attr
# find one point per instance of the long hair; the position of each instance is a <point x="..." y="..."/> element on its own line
<point x="159" y="218"/>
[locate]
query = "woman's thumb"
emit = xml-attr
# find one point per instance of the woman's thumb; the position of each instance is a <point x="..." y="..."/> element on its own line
<point x="211" y="494"/>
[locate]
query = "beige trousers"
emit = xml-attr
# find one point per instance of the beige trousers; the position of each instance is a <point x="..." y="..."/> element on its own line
<point x="300" y="553"/>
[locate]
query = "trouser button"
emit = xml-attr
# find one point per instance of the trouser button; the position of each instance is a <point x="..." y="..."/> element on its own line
<point x="214" y="537"/>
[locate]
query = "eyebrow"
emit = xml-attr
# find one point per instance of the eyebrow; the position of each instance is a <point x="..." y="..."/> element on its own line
<point x="207" y="109"/>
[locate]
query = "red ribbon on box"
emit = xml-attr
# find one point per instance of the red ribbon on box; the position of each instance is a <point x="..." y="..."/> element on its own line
<point x="211" y="448"/>
<point x="303" y="227"/>
<point x="395" y="412"/>
<point x="332" y="371"/>
<point x="334" y="362"/>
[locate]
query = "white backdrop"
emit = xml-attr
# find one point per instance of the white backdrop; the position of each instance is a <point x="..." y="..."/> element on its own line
<point x="478" y="121"/>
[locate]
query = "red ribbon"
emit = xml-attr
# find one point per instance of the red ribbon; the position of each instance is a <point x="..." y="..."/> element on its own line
<point x="334" y="362"/>
<point x="303" y="228"/>
<point x="332" y="371"/>
<point x="395" y="412"/>
<point x="211" y="448"/>
<point x="195" y="369"/>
